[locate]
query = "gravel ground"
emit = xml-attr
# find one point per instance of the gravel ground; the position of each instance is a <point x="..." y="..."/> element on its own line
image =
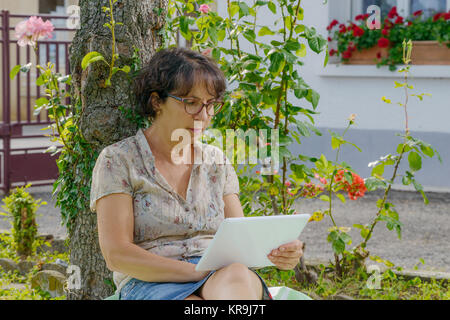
<point x="425" y="233"/>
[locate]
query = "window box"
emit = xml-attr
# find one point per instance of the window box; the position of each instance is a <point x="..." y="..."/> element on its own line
<point x="369" y="56"/>
<point x="430" y="53"/>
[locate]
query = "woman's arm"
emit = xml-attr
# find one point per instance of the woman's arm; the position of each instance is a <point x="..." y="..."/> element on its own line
<point x="233" y="208"/>
<point x="115" y="222"/>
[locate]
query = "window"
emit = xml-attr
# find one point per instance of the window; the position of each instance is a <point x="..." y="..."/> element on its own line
<point x="404" y="7"/>
<point x="429" y="7"/>
<point x="47" y="6"/>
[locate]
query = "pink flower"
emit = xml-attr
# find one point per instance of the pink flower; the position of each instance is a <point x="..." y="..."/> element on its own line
<point x="207" y="52"/>
<point x="29" y="31"/>
<point x="287" y="183"/>
<point x="204" y="8"/>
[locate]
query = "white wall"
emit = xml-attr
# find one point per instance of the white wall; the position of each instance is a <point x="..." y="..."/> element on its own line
<point x="358" y="89"/>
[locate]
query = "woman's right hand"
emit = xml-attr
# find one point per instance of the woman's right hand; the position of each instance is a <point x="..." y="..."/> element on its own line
<point x="198" y="275"/>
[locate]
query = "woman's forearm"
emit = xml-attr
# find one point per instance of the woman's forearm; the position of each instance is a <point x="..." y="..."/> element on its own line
<point x="146" y="266"/>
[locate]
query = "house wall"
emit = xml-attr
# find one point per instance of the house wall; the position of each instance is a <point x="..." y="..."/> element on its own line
<point x="358" y="89"/>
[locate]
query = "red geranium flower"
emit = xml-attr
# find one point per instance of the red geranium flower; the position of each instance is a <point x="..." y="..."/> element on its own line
<point x="329" y="39"/>
<point x="418" y="13"/>
<point x="359" y="17"/>
<point x="342" y="28"/>
<point x="447" y="16"/>
<point x="383" y="42"/>
<point x="393" y="13"/>
<point x="347" y="54"/>
<point x="409" y="23"/>
<point x="385" y="32"/>
<point x="332" y="52"/>
<point x="351" y="47"/>
<point x="399" y="20"/>
<point x="379" y="55"/>
<point x="357" y="31"/>
<point x="332" y="24"/>
<point x="438" y="16"/>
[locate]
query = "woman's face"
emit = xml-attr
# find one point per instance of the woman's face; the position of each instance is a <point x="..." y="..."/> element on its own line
<point x="173" y="115"/>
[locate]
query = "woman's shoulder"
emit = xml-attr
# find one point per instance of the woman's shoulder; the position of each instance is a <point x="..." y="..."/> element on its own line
<point x="124" y="148"/>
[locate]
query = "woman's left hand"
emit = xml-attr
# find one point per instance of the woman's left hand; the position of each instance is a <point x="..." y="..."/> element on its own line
<point x="287" y="256"/>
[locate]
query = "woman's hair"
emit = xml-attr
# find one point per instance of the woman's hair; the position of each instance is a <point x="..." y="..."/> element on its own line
<point x="176" y="71"/>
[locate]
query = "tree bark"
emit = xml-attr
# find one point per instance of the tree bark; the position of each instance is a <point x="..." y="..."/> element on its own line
<point x="102" y="123"/>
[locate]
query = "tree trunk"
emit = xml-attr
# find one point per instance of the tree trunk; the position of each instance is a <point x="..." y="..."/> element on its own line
<point x="102" y="123"/>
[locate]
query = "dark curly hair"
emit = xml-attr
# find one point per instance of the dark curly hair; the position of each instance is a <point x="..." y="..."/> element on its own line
<point x="175" y="71"/>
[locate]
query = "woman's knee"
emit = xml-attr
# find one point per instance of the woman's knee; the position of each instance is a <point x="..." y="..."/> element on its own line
<point x="236" y="272"/>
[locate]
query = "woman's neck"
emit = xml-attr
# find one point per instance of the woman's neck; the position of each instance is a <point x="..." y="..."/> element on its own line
<point x="161" y="144"/>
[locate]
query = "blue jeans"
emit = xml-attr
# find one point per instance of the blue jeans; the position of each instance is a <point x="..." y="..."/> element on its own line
<point x="142" y="290"/>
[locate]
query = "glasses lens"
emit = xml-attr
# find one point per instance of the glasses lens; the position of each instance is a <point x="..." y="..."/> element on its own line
<point x="216" y="107"/>
<point x="194" y="106"/>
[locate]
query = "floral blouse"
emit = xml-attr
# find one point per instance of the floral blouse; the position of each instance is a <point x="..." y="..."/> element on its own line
<point x="164" y="222"/>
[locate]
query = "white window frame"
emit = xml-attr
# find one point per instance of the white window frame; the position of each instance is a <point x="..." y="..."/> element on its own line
<point x="403" y="7"/>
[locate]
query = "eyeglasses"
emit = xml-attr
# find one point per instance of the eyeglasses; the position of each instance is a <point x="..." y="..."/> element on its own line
<point x="194" y="105"/>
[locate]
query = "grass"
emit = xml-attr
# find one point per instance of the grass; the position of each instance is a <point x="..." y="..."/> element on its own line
<point x="390" y="286"/>
<point x="13" y="285"/>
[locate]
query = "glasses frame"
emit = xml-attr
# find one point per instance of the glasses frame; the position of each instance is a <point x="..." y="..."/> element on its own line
<point x="203" y="105"/>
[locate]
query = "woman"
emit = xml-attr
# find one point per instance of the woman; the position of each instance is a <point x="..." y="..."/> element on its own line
<point x="156" y="215"/>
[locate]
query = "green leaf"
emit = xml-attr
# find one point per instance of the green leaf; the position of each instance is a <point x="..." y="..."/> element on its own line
<point x="125" y="69"/>
<point x="301" y="52"/>
<point x="265" y="31"/>
<point x="415" y="161"/>
<point x="338" y="246"/>
<point x="14" y="71"/>
<point x="327" y="56"/>
<point x="325" y="198"/>
<point x="244" y="9"/>
<point x="277" y="63"/>
<point x="324" y="161"/>
<point x="40" y="80"/>
<point x="41" y="101"/>
<point x="299" y="28"/>
<point x="317" y="44"/>
<point x="348" y="177"/>
<point x="406" y="180"/>
<point x="336" y="142"/>
<point x="373" y="183"/>
<point x="313" y="97"/>
<point x="378" y="170"/>
<point x="91" y="57"/>
<point x="272" y="7"/>
<point x="341" y="197"/>
<point x="302" y="129"/>
<point x="250" y="35"/>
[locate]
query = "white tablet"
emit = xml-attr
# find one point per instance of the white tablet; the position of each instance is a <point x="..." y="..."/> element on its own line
<point x="249" y="240"/>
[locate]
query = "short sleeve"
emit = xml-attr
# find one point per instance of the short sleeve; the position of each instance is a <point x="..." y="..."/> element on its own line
<point x="231" y="180"/>
<point x="110" y="175"/>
